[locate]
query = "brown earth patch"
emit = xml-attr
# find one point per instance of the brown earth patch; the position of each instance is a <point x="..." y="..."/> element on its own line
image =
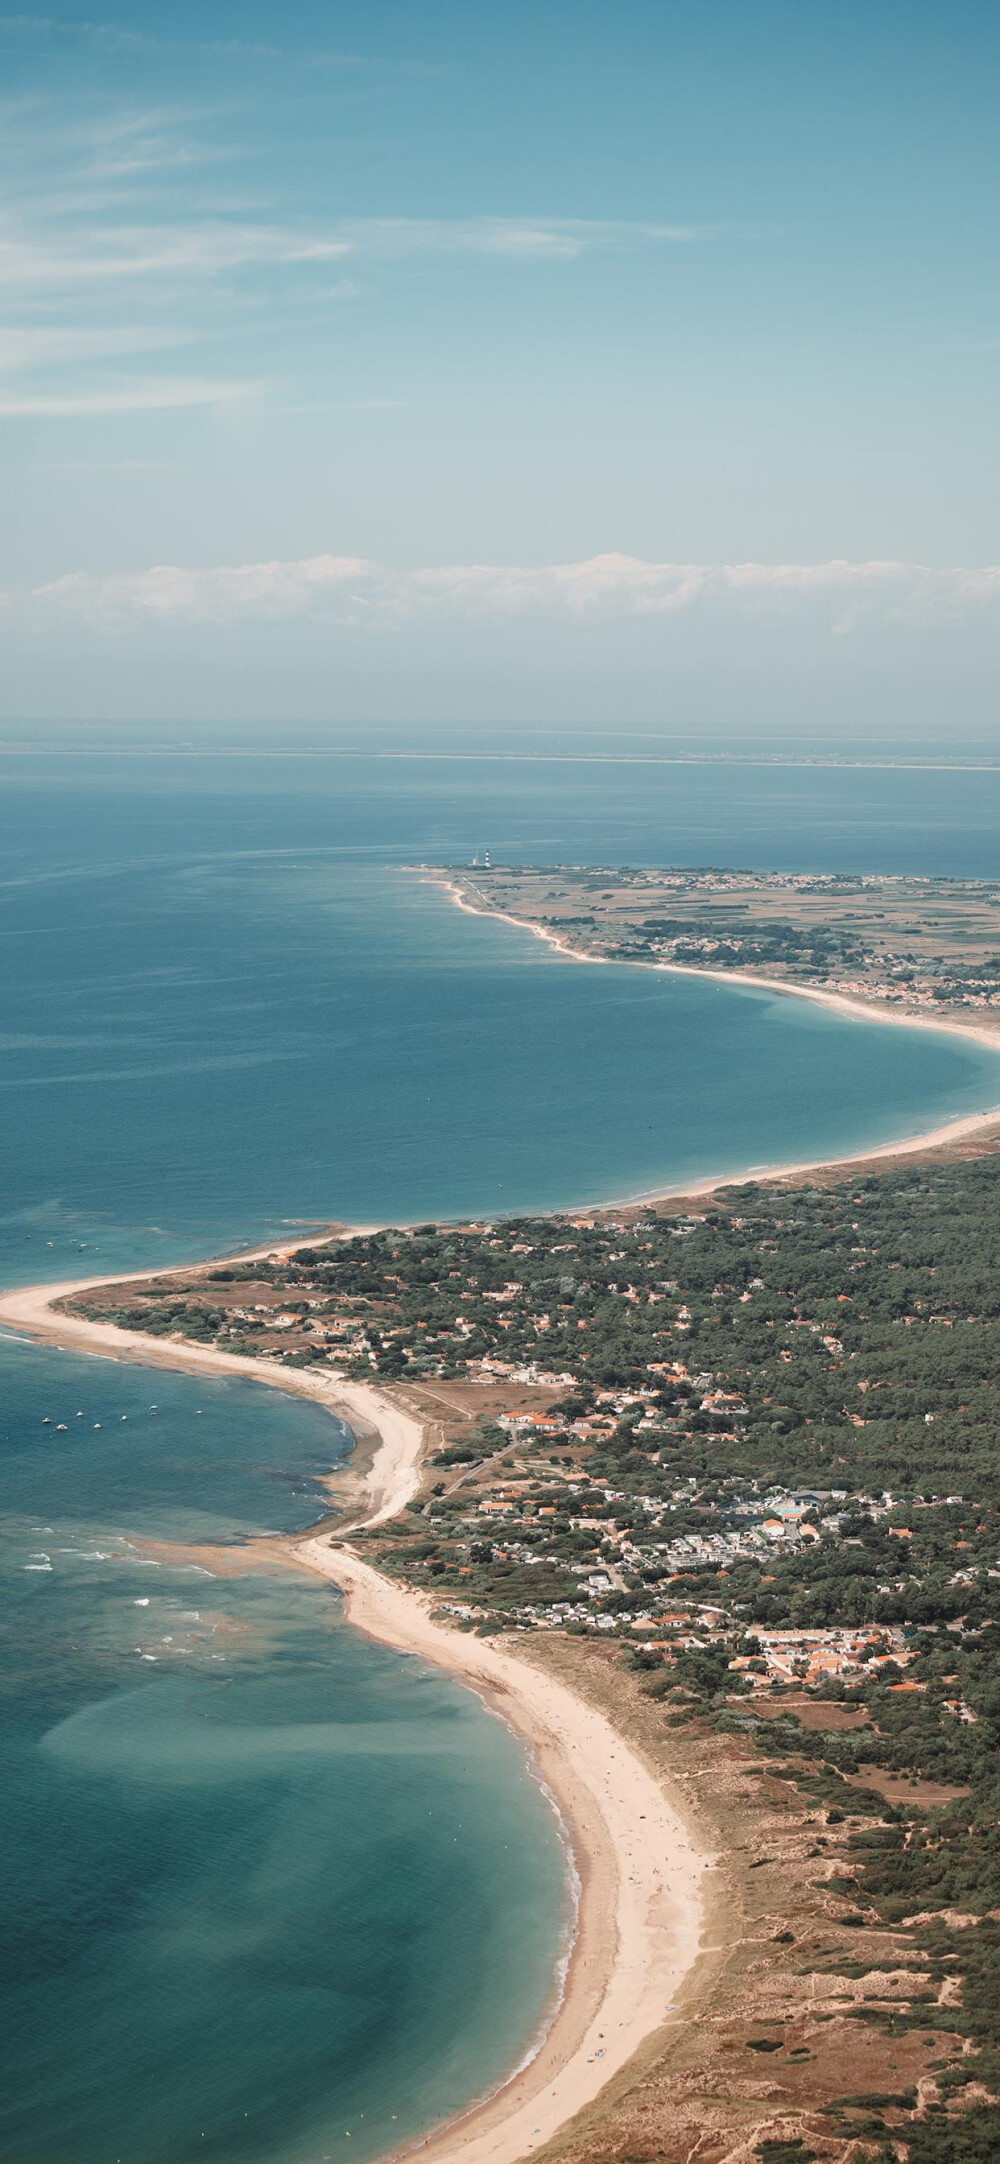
<point x="814" y="1713"/>
<point x="772" y="1973"/>
<point x="898" y="1788"/>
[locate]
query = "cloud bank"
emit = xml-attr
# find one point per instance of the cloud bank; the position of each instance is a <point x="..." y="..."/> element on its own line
<point x="353" y="592"/>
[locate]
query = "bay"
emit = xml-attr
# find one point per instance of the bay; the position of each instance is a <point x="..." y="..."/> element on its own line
<point x="268" y="1890"/>
<point x="273" y="1891"/>
<point x="226" y="1005"/>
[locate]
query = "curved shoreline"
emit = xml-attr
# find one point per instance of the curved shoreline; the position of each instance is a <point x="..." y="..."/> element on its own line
<point x="638" y="1867"/>
<point x="856" y="1010"/>
<point x="639" y="1921"/>
<point x="393" y="1475"/>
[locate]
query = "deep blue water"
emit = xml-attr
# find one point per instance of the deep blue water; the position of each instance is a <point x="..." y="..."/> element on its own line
<point x="226" y="1006"/>
<point x="266" y="1883"/>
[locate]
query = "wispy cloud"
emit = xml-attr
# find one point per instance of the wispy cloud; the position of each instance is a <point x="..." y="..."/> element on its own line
<point x="57" y="152"/>
<point x="173" y="210"/>
<point x="138" y="395"/>
<point x="48" y="345"/>
<point x="115" y="254"/>
<point x="353" y="591"/>
<point x="107" y="253"/>
<point x="220" y="271"/>
<point x="519" y="239"/>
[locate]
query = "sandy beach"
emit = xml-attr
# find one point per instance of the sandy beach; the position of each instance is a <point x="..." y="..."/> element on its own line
<point x="638" y="1867"/>
<point x="857" y="1010"/>
<point x="391" y="1477"/>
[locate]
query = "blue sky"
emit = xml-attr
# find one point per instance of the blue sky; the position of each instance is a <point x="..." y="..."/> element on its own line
<point x="335" y="337"/>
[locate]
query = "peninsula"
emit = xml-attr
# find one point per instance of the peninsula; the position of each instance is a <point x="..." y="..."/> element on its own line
<point x="715" y="1487"/>
<point x="923" y="949"/>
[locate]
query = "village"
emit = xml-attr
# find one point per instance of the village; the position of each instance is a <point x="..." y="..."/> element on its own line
<point x="721" y="1432"/>
<point x="523" y="1523"/>
<point x="922" y="944"/>
<point x="732" y="1461"/>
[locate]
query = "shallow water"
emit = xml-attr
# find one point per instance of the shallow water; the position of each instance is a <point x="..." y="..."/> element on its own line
<point x="266" y="1885"/>
<point x="262" y="1881"/>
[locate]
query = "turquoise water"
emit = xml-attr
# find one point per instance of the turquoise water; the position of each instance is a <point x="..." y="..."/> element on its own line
<point x="270" y="1891"/>
<point x="204" y="1051"/>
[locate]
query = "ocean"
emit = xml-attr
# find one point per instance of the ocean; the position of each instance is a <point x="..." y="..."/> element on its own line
<point x="268" y="1890"/>
<point x="271" y="1891"/>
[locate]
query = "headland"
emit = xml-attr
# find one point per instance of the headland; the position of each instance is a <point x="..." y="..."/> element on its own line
<point x="687" y="1473"/>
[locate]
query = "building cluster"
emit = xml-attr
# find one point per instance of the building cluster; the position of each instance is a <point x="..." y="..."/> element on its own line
<point x="769" y="921"/>
<point x="641" y="1416"/>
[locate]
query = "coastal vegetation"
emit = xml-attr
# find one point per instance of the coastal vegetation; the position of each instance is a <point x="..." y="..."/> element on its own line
<point x="747" y="1451"/>
<point x="918" y="945"/>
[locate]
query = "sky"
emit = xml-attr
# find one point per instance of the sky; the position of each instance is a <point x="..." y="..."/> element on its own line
<point x="551" y="363"/>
